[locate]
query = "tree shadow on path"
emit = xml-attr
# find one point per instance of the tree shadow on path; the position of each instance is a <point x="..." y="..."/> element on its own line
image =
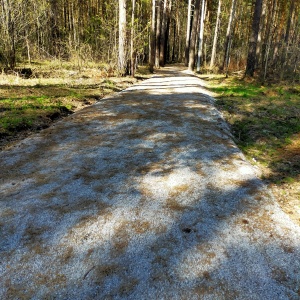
<point x="143" y="196"/>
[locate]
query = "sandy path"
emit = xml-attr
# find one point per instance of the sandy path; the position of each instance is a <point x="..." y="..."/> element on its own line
<point x="142" y="196"/>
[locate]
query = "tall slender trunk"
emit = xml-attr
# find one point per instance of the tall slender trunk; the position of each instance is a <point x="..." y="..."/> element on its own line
<point x="122" y="37"/>
<point x="152" y="40"/>
<point x="194" y="36"/>
<point x="167" y="40"/>
<point x="75" y="44"/>
<point x="162" y="58"/>
<point x="251" y="59"/>
<point x="54" y="27"/>
<point x="260" y="34"/>
<point x="132" y="52"/>
<point x="201" y="34"/>
<point x="286" y="39"/>
<point x="178" y="54"/>
<point x="289" y="22"/>
<point x="27" y="47"/>
<point x="268" y="39"/>
<point x="9" y="35"/>
<point x="188" y="34"/>
<point x="174" y="40"/>
<point x="214" y="49"/>
<point x="228" y="35"/>
<point x="158" y="34"/>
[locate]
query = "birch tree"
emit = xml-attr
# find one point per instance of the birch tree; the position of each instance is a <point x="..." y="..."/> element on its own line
<point x="122" y="37"/>
<point x="194" y="36"/>
<point x="214" y="48"/>
<point x="132" y="52"/>
<point x="188" y="34"/>
<point x="228" y="35"/>
<point x="201" y="33"/>
<point x="152" y="39"/>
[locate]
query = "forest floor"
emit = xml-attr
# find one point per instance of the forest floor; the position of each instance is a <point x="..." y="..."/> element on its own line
<point x="142" y="195"/>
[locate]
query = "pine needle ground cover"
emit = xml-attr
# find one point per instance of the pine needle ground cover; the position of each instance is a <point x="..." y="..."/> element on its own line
<point x="53" y="91"/>
<point x="265" y="121"/>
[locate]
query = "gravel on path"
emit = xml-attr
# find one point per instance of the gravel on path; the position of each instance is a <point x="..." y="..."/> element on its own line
<point x="143" y="195"/>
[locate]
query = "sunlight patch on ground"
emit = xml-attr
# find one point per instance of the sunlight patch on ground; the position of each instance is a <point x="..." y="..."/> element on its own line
<point x="172" y="186"/>
<point x="200" y="261"/>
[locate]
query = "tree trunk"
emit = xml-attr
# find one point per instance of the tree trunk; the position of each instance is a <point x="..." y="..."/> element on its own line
<point x="262" y="26"/>
<point x="289" y="21"/>
<point x="162" y="58"/>
<point x="178" y="53"/>
<point x="188" y="34"/>
<point x="201" y="33"/>
<point x="168" y="31"/>
<point x="286" y="39"/>
<point x="214" y="49"/>
<point x="9" y="35"/>
<point x="251" y="60"/>
<point x="194" y="36"/>
<point x="174" y="41"/>
<point x="268" y="39"/>
<point x="228" y="35"/>
<point x="28" y="48"/>
<point x="152" y="40"/>
<point x="122" y="37"/>
<point x="54" y="50"/>
<point x="132" y="52"/>
<point x="158" y="34"/>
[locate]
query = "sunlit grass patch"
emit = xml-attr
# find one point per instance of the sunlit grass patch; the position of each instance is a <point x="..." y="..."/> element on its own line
<point x="17" y="114"/>
<point x="54" y="90"/>
<point x="238" y="90"/>
<point x="264" y="121"/>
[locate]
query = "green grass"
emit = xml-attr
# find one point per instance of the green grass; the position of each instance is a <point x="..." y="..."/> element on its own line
<point x="23" y="113"/>
<point x="238" y="91"/>
<point x="54" y="90"/>
<point x="265" y="121"/>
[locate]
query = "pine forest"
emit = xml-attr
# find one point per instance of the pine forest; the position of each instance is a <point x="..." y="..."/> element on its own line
<point x="260" y="37"/>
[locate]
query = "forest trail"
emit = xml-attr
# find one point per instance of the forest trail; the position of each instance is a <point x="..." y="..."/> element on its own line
<point x="143" y="195"/>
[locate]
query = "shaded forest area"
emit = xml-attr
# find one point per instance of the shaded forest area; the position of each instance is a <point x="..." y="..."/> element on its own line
<point x="261" y="37"/>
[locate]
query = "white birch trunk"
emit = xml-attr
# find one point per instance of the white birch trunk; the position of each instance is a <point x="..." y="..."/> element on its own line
<point x="214" y="49"/>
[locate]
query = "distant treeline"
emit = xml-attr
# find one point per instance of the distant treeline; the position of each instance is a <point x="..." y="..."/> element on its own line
<point x="259" y="36"/>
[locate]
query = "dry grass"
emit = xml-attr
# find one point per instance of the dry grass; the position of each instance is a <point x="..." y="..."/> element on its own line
<point x="33" y="234"/>
<point x="127" y="286"/>
<point x="121" y="238"/>
<point x="67" y="255"/>
<point x="141" y="227"/>
<point x="48" y="280"/>
<point x="100" y="272"/>
<point x="7" y="213"/>
<point x="15" y="291"/>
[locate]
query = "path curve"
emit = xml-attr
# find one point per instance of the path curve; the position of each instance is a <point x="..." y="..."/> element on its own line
<point x="142" y="196"/>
